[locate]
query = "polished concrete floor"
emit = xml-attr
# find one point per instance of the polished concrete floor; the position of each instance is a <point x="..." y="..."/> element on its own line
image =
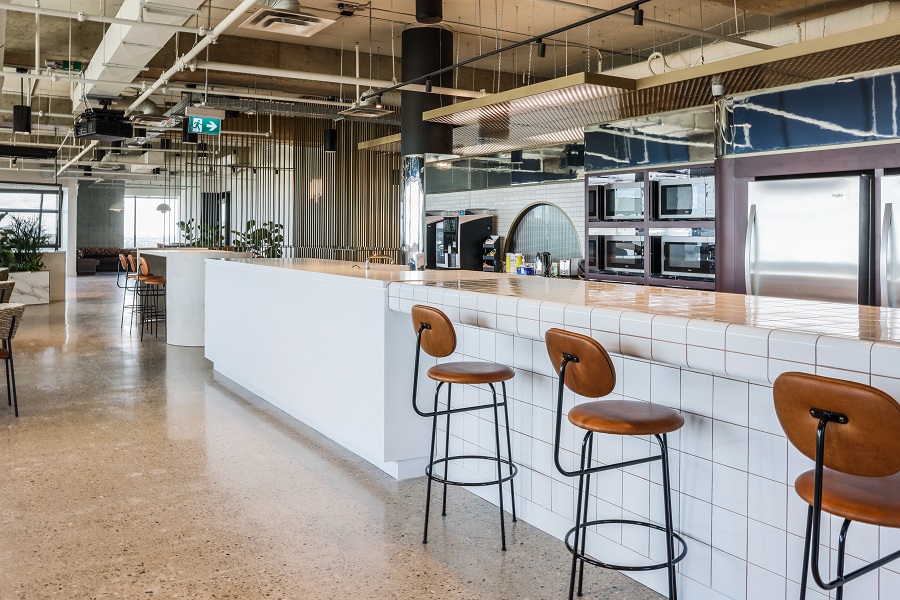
<point x="134" y="472"/>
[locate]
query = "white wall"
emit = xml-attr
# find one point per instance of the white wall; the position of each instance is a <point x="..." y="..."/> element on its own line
<point x="506" y="203"/>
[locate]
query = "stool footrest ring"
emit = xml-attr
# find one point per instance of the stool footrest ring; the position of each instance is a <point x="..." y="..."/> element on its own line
<point x="513" y="470"/>
<point x="593" y="561"/>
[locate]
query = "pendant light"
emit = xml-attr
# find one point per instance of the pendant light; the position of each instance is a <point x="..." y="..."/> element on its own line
<point x="163" y="208"/>
<point x="21" y="111"/>
<point x="638" y="16"/>
<point x="429" y="11"/>
<point x="330" y="140"/>
<point x="117" y="207"/>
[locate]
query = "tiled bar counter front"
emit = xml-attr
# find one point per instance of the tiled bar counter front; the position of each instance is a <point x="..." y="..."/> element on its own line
<point x="712" y="356"/>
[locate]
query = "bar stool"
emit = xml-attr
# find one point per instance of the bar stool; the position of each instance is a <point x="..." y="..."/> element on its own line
<point x="585" y="368"/>
<point x="857" y="471"/>
<point x="150" y="289"/>
<point x="10" y="317"/>
<point x="435" y="335"/>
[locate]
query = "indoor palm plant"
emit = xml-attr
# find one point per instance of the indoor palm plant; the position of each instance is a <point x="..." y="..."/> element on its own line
<point x="22" y="244"/>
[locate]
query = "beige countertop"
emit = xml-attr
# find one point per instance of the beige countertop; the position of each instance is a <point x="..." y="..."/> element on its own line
<point x="823" y="318"/>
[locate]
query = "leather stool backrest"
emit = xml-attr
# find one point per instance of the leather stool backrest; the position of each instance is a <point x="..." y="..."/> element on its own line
<point x="439" y="339"/>
<point x="867" y="445"/>
<point x="124" y="261"/>
<point x="145" y="269"/>
<point x="132" y="263"/>
<point x="594" y="375"/>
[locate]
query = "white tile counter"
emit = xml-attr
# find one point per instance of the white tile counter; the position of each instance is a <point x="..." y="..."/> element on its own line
<point x="712" y="356"/>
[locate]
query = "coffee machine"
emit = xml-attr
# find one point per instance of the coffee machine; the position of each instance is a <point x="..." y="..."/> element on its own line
<point x="457" y="241"/>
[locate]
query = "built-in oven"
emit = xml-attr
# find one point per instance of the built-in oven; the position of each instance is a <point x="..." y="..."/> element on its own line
<point x="621" y="253"/>
<point x="623" y="202"/>
<point x="689" y="198"/>
<point x="593" y="203"/>
<point x="687" y="256"/>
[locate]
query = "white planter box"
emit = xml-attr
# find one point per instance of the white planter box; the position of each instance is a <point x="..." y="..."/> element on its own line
<point x="31" y="288"/>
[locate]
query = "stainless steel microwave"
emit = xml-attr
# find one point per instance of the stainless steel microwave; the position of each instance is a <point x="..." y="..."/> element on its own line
<point x="693" y="198"/>
<point x="688" y="256"/>
<point x="621" y="253"/>
<point x="623" y="202"/>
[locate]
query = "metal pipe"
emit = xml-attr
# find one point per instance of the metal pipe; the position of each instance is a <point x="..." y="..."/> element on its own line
<point x="327" y="78"/>
<point x="661" y="24"/>
<point x="194" y="52"/>
<point x="261" y="96"/>
<point x="87" y="149"/>
<point x="83" y="16"/>
<point x="603" y="14"/>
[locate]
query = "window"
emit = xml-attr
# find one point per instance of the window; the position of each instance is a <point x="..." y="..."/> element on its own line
<point x="35" y="201"/>
<point x="145" y="226"/>
<point x="544" y="228"/>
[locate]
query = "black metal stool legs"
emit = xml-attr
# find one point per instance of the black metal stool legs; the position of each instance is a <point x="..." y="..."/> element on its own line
<point x="667" y="498"/>
<point x="499" y="469"/>
<point x="580" y="515"/>
<point x="512" y="489"/>
<point x="446" y="451"/>
<point x="842" y="548"/>
<point x="584" y="517"/>
<point x="431" y="462"/>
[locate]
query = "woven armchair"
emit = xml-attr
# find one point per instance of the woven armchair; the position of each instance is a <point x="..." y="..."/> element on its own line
<point x="10" y="317"/>
<point x="6" y="290"/>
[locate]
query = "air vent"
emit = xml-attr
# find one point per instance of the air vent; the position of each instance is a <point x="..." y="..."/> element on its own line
<point x="296" y="24"/>
<point x="369" y="112"/>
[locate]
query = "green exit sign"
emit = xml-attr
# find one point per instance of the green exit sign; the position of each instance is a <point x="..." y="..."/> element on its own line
<point x="204" y="125"/>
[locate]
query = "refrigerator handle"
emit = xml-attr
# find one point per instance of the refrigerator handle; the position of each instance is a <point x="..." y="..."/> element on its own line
<point x="887" y="225"/>
<point x="748" y="241"/>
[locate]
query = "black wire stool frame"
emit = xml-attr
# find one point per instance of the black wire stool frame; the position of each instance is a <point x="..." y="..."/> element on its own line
<point x="444" y="480"/>
<point x="584" y="472"/>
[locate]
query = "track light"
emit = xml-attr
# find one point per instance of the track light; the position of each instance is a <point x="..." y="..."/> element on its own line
<point x="542" y="48"/>
<point x="330" y="140"/>
<point x="638" y="16"/>
<point x="378" y="102"/>
<point x="428" y="85"/>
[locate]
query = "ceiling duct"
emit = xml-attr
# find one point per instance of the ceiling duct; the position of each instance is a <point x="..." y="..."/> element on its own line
<point x="286" y="17"/>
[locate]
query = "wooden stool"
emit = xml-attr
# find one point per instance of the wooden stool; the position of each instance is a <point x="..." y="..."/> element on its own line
<point x="857" y="472"/>
<point x="435" y="335"/>
<point x="585" y="368"/>
<point x="150" y="289"/>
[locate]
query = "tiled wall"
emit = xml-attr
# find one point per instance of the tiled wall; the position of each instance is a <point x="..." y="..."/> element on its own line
<point x="732" y="468"/>
<point x="507" y="203"/>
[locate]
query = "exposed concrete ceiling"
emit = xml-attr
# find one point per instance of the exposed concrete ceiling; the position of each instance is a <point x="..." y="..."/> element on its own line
<point x="479" y="25"/>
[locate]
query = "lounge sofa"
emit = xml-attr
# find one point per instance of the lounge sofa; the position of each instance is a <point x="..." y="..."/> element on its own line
<point x="92" y="260"/>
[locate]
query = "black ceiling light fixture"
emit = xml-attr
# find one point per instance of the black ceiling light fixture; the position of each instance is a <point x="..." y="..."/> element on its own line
<point x="21" y="111"/>
<point x="428" y="86"/>
<point x="429" y="11"/>
<point x="638" y="16"/>
<point x="186" y="136"/>
<point x="542" y="48"/>
<point x="330" y="140"/>
<point x="516" y="157"/>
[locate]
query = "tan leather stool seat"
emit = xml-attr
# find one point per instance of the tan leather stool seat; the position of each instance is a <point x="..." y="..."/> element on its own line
<point x="625" y="417"/>
<point x="4" y="353"/>
<point x="872" y="500"/>
<point x="470" y="372"/>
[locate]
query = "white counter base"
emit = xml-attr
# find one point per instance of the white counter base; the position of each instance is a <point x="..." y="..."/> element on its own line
<point x="326" y="350"/>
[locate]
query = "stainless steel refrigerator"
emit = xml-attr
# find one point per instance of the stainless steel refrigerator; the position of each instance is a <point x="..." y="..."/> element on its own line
<point x="809" y="238"/>
<point x="889" y="230"/>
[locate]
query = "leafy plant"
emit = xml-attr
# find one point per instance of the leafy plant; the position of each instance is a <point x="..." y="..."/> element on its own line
<point x="200" y="236"/>
<point x="21" y="245"/>
<point x="265" y="240"/>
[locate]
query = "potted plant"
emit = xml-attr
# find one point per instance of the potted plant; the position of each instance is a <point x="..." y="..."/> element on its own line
<point x="22" y="244"/>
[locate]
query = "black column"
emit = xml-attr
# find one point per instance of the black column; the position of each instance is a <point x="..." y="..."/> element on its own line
<point x="425" y="49"/>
